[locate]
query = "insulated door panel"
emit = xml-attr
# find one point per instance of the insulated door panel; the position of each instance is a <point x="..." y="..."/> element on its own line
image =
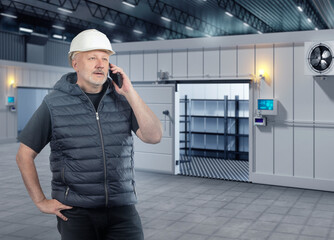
<point x="159" y="157"/>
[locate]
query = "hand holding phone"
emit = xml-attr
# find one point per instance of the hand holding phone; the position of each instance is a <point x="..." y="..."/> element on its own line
<point x="117" y="78"/>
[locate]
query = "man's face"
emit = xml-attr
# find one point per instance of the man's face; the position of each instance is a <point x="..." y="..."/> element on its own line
<point x="91" y="67"/>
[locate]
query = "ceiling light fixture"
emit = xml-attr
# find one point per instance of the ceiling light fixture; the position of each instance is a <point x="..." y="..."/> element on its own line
<point x="246" y="24"/>
<point x="160" y="38"/>
<point x="57" y="36"/>
<point x="109" y="23"/>
<point x="316" y="29"/>
<point x="8" y="15"/>
<point x="128" y="4"/>
<point x="137" y="31"/>
<point x="116" y="40"/>
<point x="300" y="8"/>
<point x="229" y="14"/>
<point x="64" y="10"/>
<point x="189" y="28"/>
<point x="259" y="32"/>
<point x="309" y="20"/>
<point x="208" y="35"/>
<point x="166" y="19"/>
<point x="58" y="27"/>
<point x="25" y="29"/>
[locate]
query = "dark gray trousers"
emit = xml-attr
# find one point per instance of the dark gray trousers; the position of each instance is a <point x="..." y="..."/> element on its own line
<point x="115" y="223"/>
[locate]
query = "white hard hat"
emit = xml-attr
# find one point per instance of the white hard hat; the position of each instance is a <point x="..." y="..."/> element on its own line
<point x="88" y="40"/>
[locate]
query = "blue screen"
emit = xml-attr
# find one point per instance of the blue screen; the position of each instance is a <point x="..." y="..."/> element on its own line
<point x="10" y="99"/>
<point x="265" y="104"/>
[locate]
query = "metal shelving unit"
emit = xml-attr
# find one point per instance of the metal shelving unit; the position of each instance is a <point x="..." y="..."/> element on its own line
<point x="214" y="128"/>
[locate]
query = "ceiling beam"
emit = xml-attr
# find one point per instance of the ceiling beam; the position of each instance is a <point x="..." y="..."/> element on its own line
<point x="71" y="5"/>
<point x="182" y="17"/>
<point x="119" y="18"/>
<point x="311" y="13"/>
<point x="244" y="15"/>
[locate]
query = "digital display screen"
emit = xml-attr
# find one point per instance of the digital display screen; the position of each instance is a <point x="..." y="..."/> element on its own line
<point x="265" y="104"/>
<point x="259" y="120"/>
<point x="10" y="100"/>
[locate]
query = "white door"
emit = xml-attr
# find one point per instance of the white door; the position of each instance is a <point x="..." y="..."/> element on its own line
<point x="161" y="157"/>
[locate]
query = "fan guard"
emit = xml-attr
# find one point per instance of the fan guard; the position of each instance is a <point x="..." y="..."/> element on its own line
<point x="320" y="58"/>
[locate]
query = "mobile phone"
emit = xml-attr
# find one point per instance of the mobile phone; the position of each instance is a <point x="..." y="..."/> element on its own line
<point x="117" y="78"/>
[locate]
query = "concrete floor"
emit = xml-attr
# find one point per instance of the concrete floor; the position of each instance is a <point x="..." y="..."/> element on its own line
<point x="179" y="207"/>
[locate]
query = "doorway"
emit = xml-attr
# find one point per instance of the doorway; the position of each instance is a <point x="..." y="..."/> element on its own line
<point x="214" y="128"/>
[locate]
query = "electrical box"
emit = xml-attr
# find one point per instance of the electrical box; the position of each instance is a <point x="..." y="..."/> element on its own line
<point x="267" y="106"/>
<point x="260" y="121"/>
<point x="10" y="100"/>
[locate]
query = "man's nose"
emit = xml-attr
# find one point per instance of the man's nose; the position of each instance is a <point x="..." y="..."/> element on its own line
<point x="99" y="63"/>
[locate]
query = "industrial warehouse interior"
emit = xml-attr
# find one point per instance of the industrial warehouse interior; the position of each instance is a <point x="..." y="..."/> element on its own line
<point x="244" y="92"/>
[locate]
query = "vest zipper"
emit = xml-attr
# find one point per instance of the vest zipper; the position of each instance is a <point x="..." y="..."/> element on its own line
<point x="104" y="158"/>
<point x="66" y="193"/>
<point x="102" y="143"/>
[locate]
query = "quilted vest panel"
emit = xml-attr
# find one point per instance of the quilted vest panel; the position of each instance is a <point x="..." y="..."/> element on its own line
<point x="91" y="152"/>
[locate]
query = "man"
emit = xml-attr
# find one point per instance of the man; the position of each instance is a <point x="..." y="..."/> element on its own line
<point x="88" y="121"/>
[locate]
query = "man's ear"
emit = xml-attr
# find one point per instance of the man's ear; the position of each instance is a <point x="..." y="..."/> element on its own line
<point x="74" y="64"/>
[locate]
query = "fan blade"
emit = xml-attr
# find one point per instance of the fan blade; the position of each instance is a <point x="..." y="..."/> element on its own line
<point x="323" y="64"/>
<point x="316" y="53"/>
<point x="315" y="62"/>
<point x="325" y="54"/>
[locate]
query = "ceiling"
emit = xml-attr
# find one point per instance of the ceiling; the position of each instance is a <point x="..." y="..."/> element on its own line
<point x="148" y="20"/>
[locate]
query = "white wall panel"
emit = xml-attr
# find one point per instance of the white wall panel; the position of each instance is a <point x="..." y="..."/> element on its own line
<point x="284" y="81"/>
<point x="245" y="61"/>
<point x="303" y="152"/>
<point x="195" y="64"/>
<point x="165" y="61"/>
<point x="123" y="61"/>
<point x="264" y="135"/>
<point x="264" y="149"/>
<point x="283" y="87"/>
<point x="303" y="88"/>
<point x="264" y="60"/>
<point x="136" y="67"/>
<point x="211" y="63"/>
<point x="324" y="152"/>
<point x="179" y="64"/>
<point x="150" y="66"/>
<point x="324" y="100"/>
<point x="283" y="140"/>
<point x="228" y="58"/>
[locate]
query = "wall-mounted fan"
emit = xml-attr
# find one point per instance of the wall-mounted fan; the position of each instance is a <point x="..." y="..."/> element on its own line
<point x="319" y="58"/>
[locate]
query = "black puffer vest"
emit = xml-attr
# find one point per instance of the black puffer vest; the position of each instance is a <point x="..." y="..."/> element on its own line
<point x="91" y="151"/>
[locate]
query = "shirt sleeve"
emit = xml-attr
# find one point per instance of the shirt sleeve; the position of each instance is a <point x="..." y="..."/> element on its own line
<point x="37" y="133"/>
<point x="134" y="123"/>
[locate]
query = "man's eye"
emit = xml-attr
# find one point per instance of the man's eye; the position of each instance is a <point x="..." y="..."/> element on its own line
<point x="91" y="58"/>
